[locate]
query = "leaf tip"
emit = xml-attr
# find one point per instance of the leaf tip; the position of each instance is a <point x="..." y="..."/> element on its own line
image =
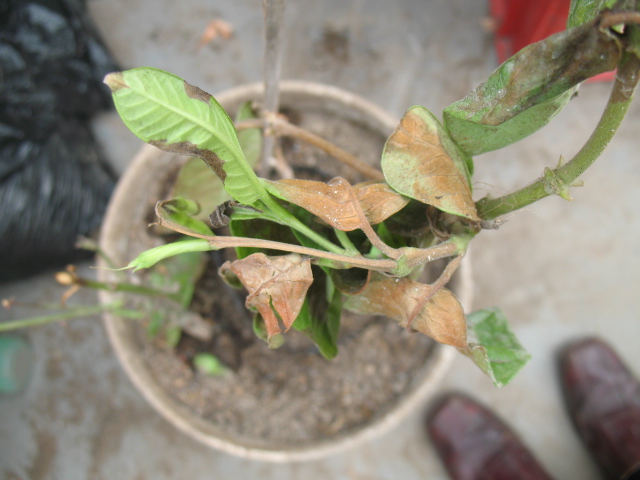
<point x="115" y="81"/>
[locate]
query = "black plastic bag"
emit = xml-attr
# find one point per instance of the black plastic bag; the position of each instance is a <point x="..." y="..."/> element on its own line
<point x="53" y="184"/>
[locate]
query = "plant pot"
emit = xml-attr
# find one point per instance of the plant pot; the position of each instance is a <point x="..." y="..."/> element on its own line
<point x="125" y="234"/>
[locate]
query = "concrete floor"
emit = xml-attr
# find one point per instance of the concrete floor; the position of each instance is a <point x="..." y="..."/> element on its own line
<point x="559" y="270"/>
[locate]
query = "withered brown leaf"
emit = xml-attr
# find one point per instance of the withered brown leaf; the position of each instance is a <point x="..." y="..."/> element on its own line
<point x="438" y="315"/>
<point x="337" y="202"/>
<point x="277" y="286"/>
<point x="422" y="162"/>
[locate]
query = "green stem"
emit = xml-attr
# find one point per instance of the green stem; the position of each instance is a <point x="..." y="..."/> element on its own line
<point x="72" y="314"/>
<point x="292" y="222"/>
<point x="129" y="288"/>
<point x="346" y="242"/>
<point x="559" y="180"/>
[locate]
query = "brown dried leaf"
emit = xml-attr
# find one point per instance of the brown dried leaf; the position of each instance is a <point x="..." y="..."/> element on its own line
<point x="338" y="202"/>
<point x="422" y="162"/>
<point x="276" y="285"/>
<point x="438" y="315"/>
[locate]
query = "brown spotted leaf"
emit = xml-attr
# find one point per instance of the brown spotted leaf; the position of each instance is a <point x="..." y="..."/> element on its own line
<point x="422" y="162"/>
<point x="338" y="203"/>
<point x="177" y="117"/>
<point x="277" y="286"/>
<point x="529" y="89"/>
<point x="438" y="315"/>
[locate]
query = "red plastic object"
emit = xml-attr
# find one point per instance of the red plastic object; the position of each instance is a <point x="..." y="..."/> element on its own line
<point x="519" y="23"/>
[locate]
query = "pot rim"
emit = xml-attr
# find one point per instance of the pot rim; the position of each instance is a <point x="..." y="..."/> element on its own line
<point x="439" y="362"/>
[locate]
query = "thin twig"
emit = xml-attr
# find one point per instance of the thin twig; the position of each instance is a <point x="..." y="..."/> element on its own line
<point x="283" y="128"/>
<point x="611" y="19"/>
<point x="71" y="314"/>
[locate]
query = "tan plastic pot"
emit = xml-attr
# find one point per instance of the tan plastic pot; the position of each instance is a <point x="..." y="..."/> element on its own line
<point x="124" y="235"/>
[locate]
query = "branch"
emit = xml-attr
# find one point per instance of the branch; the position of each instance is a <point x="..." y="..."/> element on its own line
<point x="283" y="128"/>
<point x="72" y="314"/>
<point x="559" y="180"/>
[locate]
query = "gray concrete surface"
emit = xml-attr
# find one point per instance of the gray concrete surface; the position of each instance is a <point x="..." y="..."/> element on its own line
<point x="559" y="270"/>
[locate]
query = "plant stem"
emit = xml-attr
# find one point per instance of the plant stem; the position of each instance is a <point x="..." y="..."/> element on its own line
<point x="283" y="128"/>
<point x="291" y="221"/>
<point x="346" y="261"/>
<point x="611" y="19"/>
<point x="346" y="243"/>
<point x="127" y="287"/>
<point x="72" y="314"/>
<point x="273" y="34"/>
<point x="559" y="180"/>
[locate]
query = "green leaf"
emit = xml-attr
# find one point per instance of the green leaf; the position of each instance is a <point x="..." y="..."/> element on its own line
<point x="165" y="111"/>
<point x="156" y="322"/>
<point x="197" y="182"/>
<point x="530" y="88"/>
<point x="583" y="11"/>
<point x="150" y="257"/>
<point x="493" y="347"/>
<point x="422" y="162"/>
<point x="181" y="271"/>
<point x="209" y="364"/>
<point x="251" y="138"/>
<point x="177" y="212"/>
<point x="322" y="325"/>
<point x="173" y="335"/>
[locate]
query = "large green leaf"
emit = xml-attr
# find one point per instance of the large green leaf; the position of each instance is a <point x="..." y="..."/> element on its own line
<point x="530" y="88"/>
<point x="493" y="347"/>
<point x="165" y="111"/>
<point x="423" y="163"/>
<point x="196" y="181"/>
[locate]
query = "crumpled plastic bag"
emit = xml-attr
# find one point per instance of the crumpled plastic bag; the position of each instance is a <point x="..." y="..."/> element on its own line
<point x="54" y="184"/>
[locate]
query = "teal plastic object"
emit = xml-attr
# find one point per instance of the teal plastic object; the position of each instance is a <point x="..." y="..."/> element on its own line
<point x="16" y="363"/>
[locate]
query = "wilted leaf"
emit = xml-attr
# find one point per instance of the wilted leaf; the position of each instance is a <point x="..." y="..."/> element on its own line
<point x="439" y="315"/>
<point x="277" y="286"/>
<point x="493" y="347"/>
<point x="338" y="203"/>
<point x="178" y="214"/>
<point x="421" y="162"/>
<point x="530" y="88"/>
<point x="260" y="330"/>
<point x="177" y="117"/>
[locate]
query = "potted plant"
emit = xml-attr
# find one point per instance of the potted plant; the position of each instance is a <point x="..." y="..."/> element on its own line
<point x="308" y="248"/>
